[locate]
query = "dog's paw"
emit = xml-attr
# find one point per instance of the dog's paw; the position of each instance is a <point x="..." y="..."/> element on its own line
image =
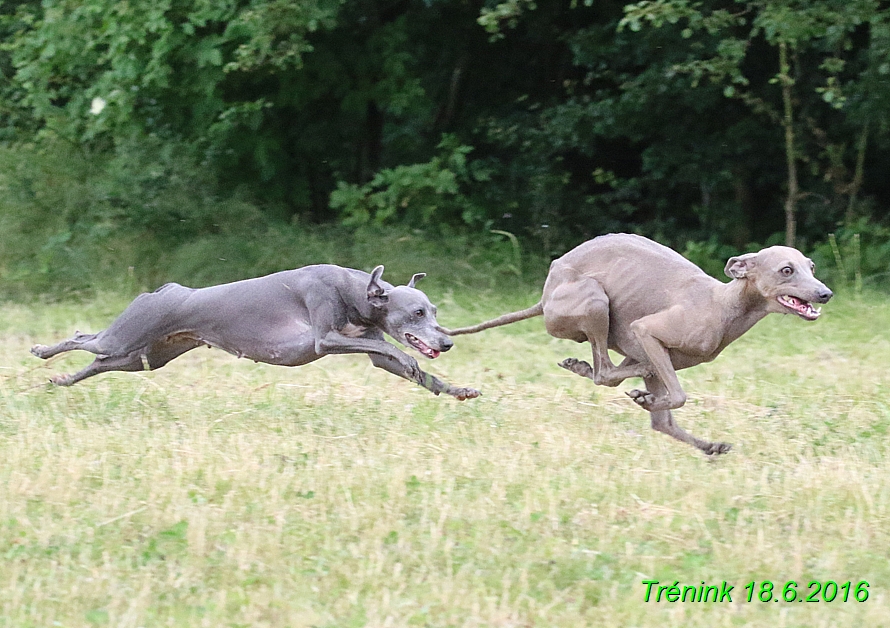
<point x="651" y="403"/>
<point x="578" y="367"/>
<point x="642" y="398"/>
<point x="716" y="448"/>
<point x="40" y="351"/>
<point x="462" y="394"/>
<point x="61" y="380"/>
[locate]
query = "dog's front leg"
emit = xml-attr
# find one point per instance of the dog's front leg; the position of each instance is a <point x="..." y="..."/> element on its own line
<point x="389" y="358"/>
<point x="428" y="381"/>
<point x="653" y="333"/>
<point x="336" y="343"/>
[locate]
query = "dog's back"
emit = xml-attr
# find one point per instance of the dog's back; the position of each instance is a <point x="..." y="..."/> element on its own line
<point x="639" y="276"/>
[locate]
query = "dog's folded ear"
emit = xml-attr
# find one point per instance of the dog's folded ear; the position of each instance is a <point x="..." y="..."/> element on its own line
<point x="739" y="266"/>
<point x="376" y="293"/>
<point x="417" y="277"/>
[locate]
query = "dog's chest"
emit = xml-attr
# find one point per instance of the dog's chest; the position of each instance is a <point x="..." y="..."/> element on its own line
<point x="351" y="330"/>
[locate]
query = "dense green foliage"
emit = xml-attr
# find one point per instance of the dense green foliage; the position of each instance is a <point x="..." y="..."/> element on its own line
<point x="718" y="123"/>
<point x="82" y="221"/>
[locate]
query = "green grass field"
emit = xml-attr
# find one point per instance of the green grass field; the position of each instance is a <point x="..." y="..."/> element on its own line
<point x="218" y="492"/>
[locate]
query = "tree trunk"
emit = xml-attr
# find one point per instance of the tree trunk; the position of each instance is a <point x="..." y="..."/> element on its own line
<point x="790" y="154"/>
<point x="373" y="142"/>
<point x="446" y="112"/>
<point x="859" y="173"/>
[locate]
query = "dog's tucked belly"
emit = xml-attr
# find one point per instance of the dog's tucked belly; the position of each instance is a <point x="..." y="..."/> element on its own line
<point x="685" y="360"/>
<point x="629" y="347"/>
<point x="260" y="343"/>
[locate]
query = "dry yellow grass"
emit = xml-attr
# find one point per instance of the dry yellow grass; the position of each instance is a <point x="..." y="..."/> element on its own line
<point x="217" y="492"/>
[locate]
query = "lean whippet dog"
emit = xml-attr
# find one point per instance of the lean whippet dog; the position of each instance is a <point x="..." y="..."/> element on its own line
<point x="288" y="318"/>
<point x="663" y="313"/>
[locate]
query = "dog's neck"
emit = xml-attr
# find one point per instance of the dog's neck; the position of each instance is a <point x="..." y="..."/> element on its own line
<point x="374" y="316"/>
<point x="743" y="306"/>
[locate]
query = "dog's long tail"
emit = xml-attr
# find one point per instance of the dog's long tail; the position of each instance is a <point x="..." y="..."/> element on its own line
<point x="506" y="319"/>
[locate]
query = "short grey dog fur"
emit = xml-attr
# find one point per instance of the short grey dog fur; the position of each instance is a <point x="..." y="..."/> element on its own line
<point x="288" y="318"/>
<point x="663" y="313"/>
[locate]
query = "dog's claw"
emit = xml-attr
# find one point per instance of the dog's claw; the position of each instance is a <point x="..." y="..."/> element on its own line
<point x="61" y="380"/>
<point x="39" y="351"/>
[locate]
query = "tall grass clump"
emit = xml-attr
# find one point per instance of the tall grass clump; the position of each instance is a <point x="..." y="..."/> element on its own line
<point x="857" y="256"/>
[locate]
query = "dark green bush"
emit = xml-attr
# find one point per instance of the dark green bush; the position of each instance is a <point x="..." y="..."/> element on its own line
<point x="73" y="222"/>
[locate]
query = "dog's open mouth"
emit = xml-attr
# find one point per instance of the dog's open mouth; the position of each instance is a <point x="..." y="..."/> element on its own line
<point x="802" y="308"/>
<point x="421" y="346"/>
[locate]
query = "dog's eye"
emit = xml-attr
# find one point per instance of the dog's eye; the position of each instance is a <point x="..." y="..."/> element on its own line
<point x="419" y="313"/>
<point x="787" y="271"/>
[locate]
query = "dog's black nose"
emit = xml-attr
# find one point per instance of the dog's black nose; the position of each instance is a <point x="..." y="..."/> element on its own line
<point x="824" y="295"/>
<point x="447" y="344"/>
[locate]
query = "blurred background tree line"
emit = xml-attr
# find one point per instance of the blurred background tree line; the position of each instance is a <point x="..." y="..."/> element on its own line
<point x="134" y="130"/>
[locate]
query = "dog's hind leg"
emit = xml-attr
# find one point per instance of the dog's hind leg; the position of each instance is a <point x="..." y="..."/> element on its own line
<point x="577" y="308"/>
<point x="132" y="362"/>
<point x="156" y="356"/>
<point x="86" y="342"/>
<point x="148" y="317"/>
